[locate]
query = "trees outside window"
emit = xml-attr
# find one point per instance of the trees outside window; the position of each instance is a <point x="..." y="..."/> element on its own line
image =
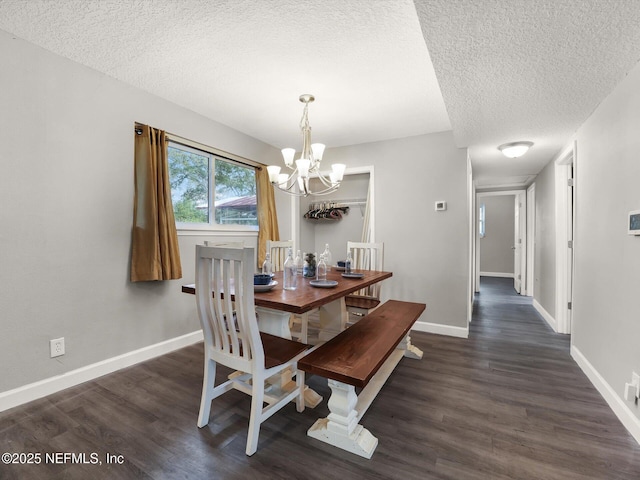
<point x="209" y="190"/>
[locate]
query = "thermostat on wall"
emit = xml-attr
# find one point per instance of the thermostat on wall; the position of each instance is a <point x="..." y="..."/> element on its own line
<point x="441" y="205"/>
<point x="634" y="222"/>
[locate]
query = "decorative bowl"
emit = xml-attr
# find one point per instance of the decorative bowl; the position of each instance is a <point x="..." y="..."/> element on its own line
<point x="261" y="279"/>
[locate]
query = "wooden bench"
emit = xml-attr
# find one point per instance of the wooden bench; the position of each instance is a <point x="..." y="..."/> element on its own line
<point x="363" y="356"/>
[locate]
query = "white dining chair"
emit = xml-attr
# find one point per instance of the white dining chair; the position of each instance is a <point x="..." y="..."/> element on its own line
<point x="279" y="251"/>
<point x="232" y="338"/>
<point x="364" y="256"/>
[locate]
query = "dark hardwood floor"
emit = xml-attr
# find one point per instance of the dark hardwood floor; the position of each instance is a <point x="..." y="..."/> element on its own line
<point x="507" y="403"/>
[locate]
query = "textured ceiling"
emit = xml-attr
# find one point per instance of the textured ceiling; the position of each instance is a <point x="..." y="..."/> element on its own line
<point x="244" y="63"/>
<point x="508" y="69"/>
<point x="526" y="70"/>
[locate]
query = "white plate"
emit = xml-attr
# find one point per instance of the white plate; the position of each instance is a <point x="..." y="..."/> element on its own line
<point x="265" y="288"/>
<point x="323" y="283"/>
<point x="353" y="275"/>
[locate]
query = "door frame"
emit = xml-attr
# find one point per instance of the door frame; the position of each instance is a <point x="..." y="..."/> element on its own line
<point x="565" y="213"/>
<point x="523" y="231"/>
<point x="531" y="236"/>
<point x="519" y="248"/>
<point x="471" y="201"/>
<point x="295" y="210"/>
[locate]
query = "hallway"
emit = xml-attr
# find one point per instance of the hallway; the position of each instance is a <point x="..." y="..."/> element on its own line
<point x="541" y="414"/>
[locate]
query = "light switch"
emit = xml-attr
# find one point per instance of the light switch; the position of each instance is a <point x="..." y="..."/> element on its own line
<point x="441" y="206"/>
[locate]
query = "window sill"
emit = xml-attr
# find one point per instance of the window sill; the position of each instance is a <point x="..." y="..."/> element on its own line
<point x="218" y="230"/>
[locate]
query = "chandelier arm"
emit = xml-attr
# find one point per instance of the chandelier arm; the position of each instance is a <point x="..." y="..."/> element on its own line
<point x="326" y="191"/>
<point x="286" y="191"/>
<point x="289" y="182"/>
<point x="295" y="194"/>
<point x="325" y="181"/>
<point x="302" y="194"/>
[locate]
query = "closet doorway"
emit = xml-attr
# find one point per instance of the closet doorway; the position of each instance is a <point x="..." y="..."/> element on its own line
<point x="347" y="214"/>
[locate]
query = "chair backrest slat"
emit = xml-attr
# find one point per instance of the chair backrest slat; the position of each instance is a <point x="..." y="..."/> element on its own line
<point x="224" y="292"/>
<point x="367" y="256"/>
<point x="278" y="251"/>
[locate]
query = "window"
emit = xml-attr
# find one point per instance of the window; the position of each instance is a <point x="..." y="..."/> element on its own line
<point x="481" y="221"/>
<point x="201" y="180"/>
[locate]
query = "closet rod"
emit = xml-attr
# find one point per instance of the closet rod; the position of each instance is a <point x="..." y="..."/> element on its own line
<point x="354" y="201"/>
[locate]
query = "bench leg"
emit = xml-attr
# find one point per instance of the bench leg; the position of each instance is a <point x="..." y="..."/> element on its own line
<point x="341" y="427"/>
<point x="410" y="351"/>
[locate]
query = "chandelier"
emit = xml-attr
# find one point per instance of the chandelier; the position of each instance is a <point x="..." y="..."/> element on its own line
<point x="308" y="165"/>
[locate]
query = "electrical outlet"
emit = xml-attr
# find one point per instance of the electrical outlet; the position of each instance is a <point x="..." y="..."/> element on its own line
<point x="633" y="387"/>
<point x="56" y="347"/>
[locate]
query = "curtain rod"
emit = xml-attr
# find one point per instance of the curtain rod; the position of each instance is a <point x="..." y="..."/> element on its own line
<point x="190" y="143"/>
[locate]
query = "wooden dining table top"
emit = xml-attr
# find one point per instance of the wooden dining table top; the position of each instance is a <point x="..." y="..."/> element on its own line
<point x="306" y="297"/>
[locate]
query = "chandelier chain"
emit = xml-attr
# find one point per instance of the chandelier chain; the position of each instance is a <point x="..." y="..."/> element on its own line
<point x="304" y="121"/>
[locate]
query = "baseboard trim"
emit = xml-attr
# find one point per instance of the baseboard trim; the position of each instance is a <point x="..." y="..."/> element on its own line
<point x="42" y="388"/>
<point x="441" y="329"/>
<point x="496" y="274"/>
<point x="617" y="404"/>
<point x="546" y="315"/>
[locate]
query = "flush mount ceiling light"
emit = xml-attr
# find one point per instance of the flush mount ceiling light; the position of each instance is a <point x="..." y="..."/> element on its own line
<point x="515" y="149"/>
<point x="307" y="165"/>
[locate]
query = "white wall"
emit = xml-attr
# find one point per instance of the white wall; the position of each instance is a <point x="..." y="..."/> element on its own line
<point x="66" y="190"/>
<point x="496" y="252"/>
<point x="545" y="242"/>
<point x="427" y="251"/>
<point x="284" y="205"/>
<point x="317" y="233"/>
<point x="606" y="320"/>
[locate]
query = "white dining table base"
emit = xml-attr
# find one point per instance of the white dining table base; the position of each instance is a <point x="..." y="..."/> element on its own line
<point x="333" y="319"/>
<point x="276" y="322"/>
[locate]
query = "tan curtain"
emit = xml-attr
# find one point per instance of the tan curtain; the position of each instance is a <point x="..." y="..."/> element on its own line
<point x="267" y="216"/>
<point x="154" y="251"/>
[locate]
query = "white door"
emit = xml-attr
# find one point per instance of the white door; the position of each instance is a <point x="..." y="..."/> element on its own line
<point x="570" y="210"/>
<point x="517" y="251"/>
<point x="519" y="225"/>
